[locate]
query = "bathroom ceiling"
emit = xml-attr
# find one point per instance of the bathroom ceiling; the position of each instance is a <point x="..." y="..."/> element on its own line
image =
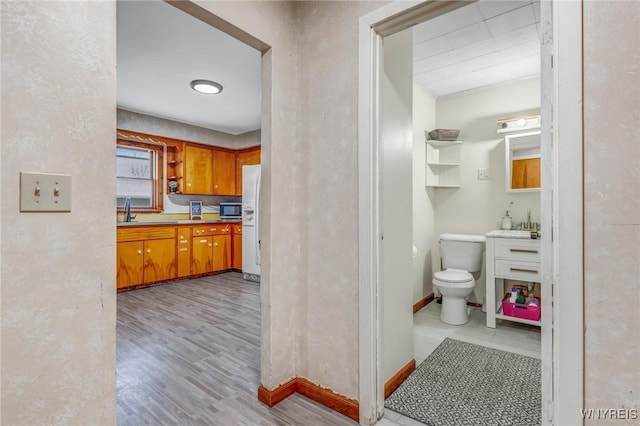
<point x="484" y="43"/>
<point x="161" y="49"/>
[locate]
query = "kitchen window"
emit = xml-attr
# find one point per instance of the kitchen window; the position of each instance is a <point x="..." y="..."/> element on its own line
<point x="139" y="176"/>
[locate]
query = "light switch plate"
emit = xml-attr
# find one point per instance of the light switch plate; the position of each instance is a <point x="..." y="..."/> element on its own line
<point x="45" y="192"/>
<point x="484" y="174"/>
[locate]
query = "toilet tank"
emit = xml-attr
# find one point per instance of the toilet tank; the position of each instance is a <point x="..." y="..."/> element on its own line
<point x="462" y="251"/>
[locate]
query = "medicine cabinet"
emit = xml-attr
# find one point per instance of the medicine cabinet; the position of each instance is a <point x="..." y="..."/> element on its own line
<point x="522" y="153"/>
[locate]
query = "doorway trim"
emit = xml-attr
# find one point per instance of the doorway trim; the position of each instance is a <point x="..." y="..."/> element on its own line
<point x="563" y="350"/>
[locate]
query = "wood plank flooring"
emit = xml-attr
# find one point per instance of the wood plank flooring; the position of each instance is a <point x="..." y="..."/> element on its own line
<point x="188" y="353"/>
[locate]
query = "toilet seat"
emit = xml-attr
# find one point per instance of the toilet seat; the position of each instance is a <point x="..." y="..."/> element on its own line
<point x="454" y="278"/>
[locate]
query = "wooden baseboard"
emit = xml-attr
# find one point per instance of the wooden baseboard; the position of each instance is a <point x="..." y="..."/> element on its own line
<point x="423" y="302"/>
<point x="393" y="383"/>
<point x="328" y="398"/>
<point x="272" y="397"/>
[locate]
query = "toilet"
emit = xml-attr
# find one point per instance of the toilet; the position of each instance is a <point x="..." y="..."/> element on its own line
<point x="461" y="256"/>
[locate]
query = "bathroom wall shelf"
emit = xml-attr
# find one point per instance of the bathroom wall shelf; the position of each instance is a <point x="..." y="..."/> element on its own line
<point x="443" y="164"/>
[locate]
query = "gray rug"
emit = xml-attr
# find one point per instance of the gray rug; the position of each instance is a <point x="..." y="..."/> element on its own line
<point x="465" y="384"/>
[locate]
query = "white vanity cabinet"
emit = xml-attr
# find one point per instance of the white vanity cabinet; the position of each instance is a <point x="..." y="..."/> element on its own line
<point x="509" y="258"/>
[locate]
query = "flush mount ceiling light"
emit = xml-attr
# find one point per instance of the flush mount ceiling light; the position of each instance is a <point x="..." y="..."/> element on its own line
<point x="207" y="87"/>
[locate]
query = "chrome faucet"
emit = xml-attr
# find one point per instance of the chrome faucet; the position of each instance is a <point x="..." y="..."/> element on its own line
<point x="127" y="210"/>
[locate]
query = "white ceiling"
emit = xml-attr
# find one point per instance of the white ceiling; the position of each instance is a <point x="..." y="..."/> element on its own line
<point x="484" y="43"/>
<point x="161" y="49"/>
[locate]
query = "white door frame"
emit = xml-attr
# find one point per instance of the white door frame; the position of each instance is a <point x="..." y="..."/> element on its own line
<point x="563" y="347"/>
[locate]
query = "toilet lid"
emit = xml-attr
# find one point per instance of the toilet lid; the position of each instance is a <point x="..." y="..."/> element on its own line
<point x="454" y="276"/>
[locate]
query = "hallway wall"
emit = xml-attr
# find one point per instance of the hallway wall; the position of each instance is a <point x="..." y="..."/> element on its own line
<point x="612" y="205"/>
<point x="58" y="269"/>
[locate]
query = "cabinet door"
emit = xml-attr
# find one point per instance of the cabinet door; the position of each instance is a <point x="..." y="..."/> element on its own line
<point x="159" y="260"/>
<point x="221" y="252"/>
<point x="236" y="258"/>
<point x="245" y="158"/>
<point x="130" y="260"/>
<point x="201" y="255"/>
<point x="184" y="251"/>
<point x="224" y="173"/>
<point x="198" y="171"/>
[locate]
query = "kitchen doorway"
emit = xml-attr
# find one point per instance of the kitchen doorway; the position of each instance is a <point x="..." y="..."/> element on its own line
<point x="561" y="360"/>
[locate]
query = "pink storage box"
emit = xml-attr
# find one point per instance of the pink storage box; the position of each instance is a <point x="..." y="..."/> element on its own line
<point x="521" y="311"/>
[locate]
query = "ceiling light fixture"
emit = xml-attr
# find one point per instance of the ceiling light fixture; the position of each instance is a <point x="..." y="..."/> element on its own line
<point x="207" y="87"/>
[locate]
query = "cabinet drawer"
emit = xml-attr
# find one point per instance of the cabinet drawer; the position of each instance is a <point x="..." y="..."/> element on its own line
<point x="213" y="229"/>
<point x="527" y="250"/>
<point x="518" y="270"/>
<point x="145" y="233"/>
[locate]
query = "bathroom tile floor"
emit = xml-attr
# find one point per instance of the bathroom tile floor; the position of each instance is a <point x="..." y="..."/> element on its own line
<point x="429" y="332"/>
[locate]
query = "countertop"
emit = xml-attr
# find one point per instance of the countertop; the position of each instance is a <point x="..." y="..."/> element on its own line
<point x="500" y="233"/>
<point x="179" y="222"/>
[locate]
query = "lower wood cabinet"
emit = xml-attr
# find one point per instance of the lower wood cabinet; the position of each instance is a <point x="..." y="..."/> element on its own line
<point x="184" y="251"/>
<point x="145" y="255"/>
<point x="236" y="246"/>
<point x="211" y="248"/>
<point x="148" y="254"/>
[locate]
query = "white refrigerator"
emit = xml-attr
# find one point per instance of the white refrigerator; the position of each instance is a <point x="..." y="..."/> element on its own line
<point x="251" y="223"/>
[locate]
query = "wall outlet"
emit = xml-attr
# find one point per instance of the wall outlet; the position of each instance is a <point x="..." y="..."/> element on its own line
<point x="484" y="173"/>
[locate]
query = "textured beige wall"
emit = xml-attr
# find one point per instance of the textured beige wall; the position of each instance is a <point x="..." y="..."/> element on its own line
<point x="328" y="139"/>
<point x="282" y="280"/>
<point x="612" y="204"/>
<point x="58" y="269"/>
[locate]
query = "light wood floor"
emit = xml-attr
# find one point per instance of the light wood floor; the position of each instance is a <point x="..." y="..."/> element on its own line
<point x="188" y="353"/>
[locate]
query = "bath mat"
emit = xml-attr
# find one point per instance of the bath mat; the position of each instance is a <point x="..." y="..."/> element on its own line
<point x="465" y="384"/>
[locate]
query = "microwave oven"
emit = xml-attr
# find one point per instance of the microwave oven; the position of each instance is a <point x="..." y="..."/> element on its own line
<point x="230" y="210"/>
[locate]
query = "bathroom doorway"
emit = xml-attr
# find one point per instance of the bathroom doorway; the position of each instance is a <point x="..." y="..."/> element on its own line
<point x="556" y="354"/>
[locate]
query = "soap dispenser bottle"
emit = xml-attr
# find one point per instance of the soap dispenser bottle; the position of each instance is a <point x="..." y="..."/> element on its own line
<point x="506" y="221"/>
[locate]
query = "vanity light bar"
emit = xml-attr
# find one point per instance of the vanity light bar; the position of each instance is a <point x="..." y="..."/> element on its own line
<point x="517" y="124"/>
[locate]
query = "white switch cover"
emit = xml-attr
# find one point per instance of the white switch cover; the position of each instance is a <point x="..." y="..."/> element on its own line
<point x="45" y="192"/>
<point x="483" y="174"/>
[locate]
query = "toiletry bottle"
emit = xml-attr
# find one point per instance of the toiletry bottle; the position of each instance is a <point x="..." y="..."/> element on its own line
<point x="514" y="295"/>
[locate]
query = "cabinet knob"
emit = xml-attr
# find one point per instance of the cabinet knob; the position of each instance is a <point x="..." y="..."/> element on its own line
<point x="209" y="244"/>
<point x="148" y="250"/>
<point x="139" y="251"/>
<point x="216" y="244"/>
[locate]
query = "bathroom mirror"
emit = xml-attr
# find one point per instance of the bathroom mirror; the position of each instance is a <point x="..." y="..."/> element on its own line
<point x="522" y="161"/>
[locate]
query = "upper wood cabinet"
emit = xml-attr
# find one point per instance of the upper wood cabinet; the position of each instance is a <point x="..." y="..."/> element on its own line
<point x="246" y="157"/>
<point x="224" y="172"/>
<point x="198" y="170"/>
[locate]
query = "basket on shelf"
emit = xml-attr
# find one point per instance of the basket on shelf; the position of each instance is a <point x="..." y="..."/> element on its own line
<point x="444" y="134"/>
<point x="520" y="310"/>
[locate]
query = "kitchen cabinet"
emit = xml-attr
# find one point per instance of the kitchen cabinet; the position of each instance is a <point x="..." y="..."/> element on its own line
<point x="198" y="170"/>
<point x="236" y="246"/>
<point x="443" y="164"/>
<point x="145" y="255"/>
<point x="184" y="251"/>
<point x="224" y="172"/>
<point x="211" y="248"/>
<point x="246" y="157"/>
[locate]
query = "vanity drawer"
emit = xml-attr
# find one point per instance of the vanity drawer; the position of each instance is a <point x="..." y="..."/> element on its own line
<point x="509" y="248"/>
<point x="518" y="270"/>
